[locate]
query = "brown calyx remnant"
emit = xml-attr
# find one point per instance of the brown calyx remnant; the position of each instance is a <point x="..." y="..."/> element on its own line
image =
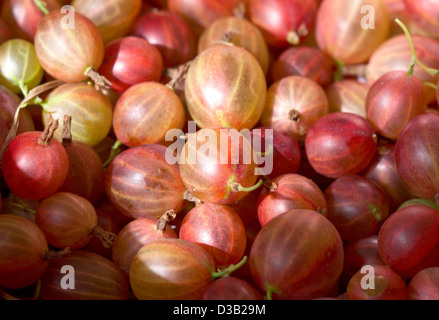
<point x="164" y="220"/>
<point x="99" y="80"/>
<point x="54" y="255"/>
<point x="294" y="115"/>
<point x="66" y="132"/>
<point x="191" y="198"/>
<point x="270" y="185"/>
<point x="177" y="75"/>
<point x="106" y="237"/>
<point x="49" y="131"/>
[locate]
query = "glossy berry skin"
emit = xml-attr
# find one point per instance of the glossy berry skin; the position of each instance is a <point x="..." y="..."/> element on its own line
<point x="90" y="109"/>
<point x="383" y="171"/>
<point x="284" y="152"/>
<point x="424" y="14"/>
<point x="348" y="96"/>
<point x="358" y="254"/>
<point x="292" y="191"/>
<point x="146" y="112"/>
<point x="96" y="278"/>
<point x="22" y="16"/>
<point x="170" y="34"/>
<point x="140" y="182"/>
<point x="294" y="104"/>
<point x="34" y="170"/>
<point x="211" y="178"/>
<point x="68" y="54"/>
<point x="133" y="237"/>
<point x="417" y="156"/>
<point x="217" y="229"/>
<point x="340" y="144"/>
<point x="424" y="285"/>
<point x="357" y="207"/>
<point x="243" y="34"/>
<point x="114" y="19"/>
<point x="200" y="14"/>
<point x="225" y="87"/>
<point x="340" y="32"/>
<point x="392" y="101"/>
<point x="388" y="285"/>
<point x="395" y="54"/>
<point x="231" y="288"/>
<point x="185" y="271"/>
<point x="278" y="18"/>
<point x="129" y="61"/>
<point x="67" y="220"/>
<point x="303" y="61"/>
<point x="22" y="245"/>
<point x="86" y="172"/>
<point x="297" y="240"/>
<point x="408" y="241"/>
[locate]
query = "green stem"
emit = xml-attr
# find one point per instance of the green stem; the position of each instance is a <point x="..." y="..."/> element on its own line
<point x="436" y="198"/>
<point x="338" y="75"/>
<point x="239" y="188"/>
<point x="269" y="292"/>
<point x="23" y="88"/>
<point x="37" y="290"/>
<point x="22" y="207"/>
<point x="42" y="6"/>
<point x="230" y="269"/>
<point x="114" y="152"/>
<point x="414" y="58"/>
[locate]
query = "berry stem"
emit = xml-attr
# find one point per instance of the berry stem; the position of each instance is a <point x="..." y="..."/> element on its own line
<point x="42" y="6"/>
<point x="49" y="131"/>
<point x="54" y="255"/>
<point x="114" y="152"/>
<point x="20" y="206"/>
<point x="106" y="237"/>
<point x="338" y="74"/>
<point x="414" y="58"/>
<point x="23" y="88"/>
<point x="430" y="85"/>
<point x="164" y="220"/>
<point x="66" y="133"/>
<point x="237" y="187"/>
<point x="230" y="269"/>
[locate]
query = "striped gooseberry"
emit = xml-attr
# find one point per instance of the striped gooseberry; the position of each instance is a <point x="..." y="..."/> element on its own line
<point x="223" y="175"/>
<point x="297" y="240"/>
<point x="96" y="278"/>
<point x="225" y="87"/>
<point x="146" y="112"/>
<point x="131" y="60"/>
<point x="293" y="104"/>
<point x="24" y="252"/>
<point x="20" y="70"/>
<point x="114" y="19"/>
<point x="283" y="22"/>
<point x="91" y="111"/>
<point x="138" y="233"/>
<point x="141" y="183"/>
<point x="170" y="34"/>
<point x="70" y="221"/>
<point x="288" y="192"/>
<point x="344" y="33"/>
<point x="340" y="144"/>
<point x="35" y="165"/>
<point x="242" y="33"/>
<point x="218" y="229"/>
<point x="67" y="53"/>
